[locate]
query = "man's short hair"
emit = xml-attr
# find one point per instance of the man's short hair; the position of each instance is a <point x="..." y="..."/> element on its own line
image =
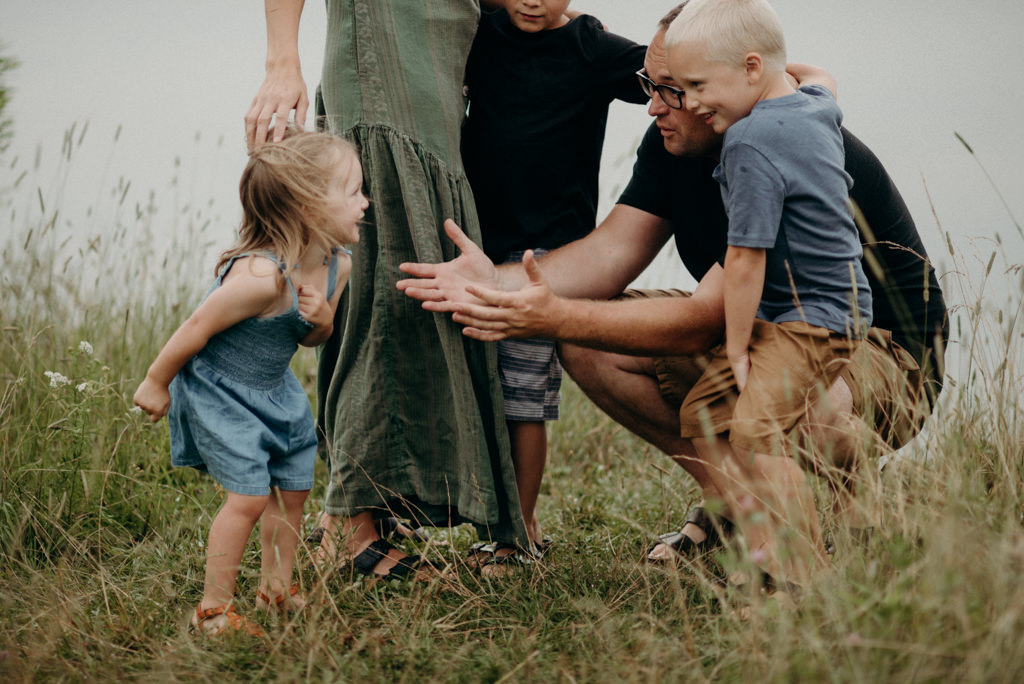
<point x="729" y="29"/>
<point x="667" y="20"/>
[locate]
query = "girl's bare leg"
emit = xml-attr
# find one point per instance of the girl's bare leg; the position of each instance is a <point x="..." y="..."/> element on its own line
<point x="229" y="534"/>
<point x="279" y="535"/>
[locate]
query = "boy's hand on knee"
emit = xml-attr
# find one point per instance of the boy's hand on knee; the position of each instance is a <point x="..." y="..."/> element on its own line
<point x="740" y="369"/>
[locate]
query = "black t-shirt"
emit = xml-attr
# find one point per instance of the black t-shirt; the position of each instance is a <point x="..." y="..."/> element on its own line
<point x="682" y="190"/>
<point x="532" y="142"/>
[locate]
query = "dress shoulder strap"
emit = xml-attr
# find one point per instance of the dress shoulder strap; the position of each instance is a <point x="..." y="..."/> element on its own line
<point x="227" y="267"/>
<point x="332" y="269"/>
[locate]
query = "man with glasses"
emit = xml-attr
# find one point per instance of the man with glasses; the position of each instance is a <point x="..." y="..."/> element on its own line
<point x="636" y="356"/>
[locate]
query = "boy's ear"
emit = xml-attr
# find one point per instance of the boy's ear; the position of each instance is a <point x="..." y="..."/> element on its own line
<point x="753" y="64"/>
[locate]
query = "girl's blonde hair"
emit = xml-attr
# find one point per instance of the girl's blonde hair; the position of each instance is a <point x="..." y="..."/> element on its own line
<point x="729" y="29"/>
<point x="284" y="191"/>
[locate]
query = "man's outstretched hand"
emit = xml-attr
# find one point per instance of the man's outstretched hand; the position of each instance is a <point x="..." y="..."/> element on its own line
<point x="443" y="286"/>
<point x="533" y="311"/>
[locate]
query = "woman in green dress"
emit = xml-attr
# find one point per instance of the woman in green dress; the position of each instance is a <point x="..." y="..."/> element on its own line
<point x="410" y="409"/>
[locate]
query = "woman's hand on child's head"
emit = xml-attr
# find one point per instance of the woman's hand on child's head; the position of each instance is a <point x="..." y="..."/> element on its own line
<point x="314" y="307"/>
<point x="153" y="398"/>
<point x="282" y="91"/>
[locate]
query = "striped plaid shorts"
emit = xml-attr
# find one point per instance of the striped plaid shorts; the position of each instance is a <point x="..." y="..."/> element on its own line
<point x="531" y="375"/>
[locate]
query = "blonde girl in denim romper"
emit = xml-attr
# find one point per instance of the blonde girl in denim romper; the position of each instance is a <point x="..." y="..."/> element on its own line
<point x="235" y="408"/>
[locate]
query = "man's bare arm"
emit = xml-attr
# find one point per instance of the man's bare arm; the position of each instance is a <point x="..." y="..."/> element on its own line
<point x="603" y="263"/>
<point x="598" y="266"/>
<point x="655" y="326"/>
<point x="808" y="74"/>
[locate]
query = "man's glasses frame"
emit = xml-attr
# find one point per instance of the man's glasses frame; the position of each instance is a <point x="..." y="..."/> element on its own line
<point x="672" y="97"/>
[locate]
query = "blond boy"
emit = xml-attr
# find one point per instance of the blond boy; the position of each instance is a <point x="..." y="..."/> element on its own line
<point x="796" y="298"/>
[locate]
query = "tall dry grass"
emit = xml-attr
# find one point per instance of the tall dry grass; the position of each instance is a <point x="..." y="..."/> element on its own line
<point x="101" y="542"/>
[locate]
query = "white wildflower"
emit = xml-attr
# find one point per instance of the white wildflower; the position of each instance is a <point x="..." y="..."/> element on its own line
<point x="56" y="379"/>
<point x="84" y="386"/>
<point x="85" y="348"/>
<point x="135" y="409"/>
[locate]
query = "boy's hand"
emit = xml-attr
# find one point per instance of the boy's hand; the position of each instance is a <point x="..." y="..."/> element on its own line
<point x="314" y="308"/>
<point x="153" y="398"/>
<point x="740" y="369"/>
<point x="441" y="287"/>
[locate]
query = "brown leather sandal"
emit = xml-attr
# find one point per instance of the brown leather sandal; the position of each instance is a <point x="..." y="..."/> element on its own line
<point x="277" y="604"/>
<point x="234" y="622"/>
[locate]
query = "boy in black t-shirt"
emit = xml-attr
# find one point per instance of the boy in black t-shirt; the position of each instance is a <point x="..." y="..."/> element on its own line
<point x="539" y="86"/>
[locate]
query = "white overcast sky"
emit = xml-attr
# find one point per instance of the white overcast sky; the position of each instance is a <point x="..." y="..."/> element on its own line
<point x="177" y="75"/>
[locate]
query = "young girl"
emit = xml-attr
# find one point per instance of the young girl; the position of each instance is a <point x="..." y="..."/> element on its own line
<point x="236" y="409"/>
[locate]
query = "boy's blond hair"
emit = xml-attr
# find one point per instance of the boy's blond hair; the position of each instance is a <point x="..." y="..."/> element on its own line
<point x="284" y="192"/>
<point x="729" y="29"/>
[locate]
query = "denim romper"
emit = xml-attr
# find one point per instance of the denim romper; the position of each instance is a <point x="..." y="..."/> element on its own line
<point x="238" y="411"/>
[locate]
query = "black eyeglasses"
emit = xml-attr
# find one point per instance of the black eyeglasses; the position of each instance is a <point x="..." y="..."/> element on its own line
<point x="672" y="97"/>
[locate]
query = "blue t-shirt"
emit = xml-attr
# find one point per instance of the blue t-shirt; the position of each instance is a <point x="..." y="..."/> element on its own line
<point x="785" y="191"/>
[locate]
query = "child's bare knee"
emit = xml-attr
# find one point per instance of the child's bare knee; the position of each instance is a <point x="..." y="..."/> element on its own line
<point x="251" y="507"/>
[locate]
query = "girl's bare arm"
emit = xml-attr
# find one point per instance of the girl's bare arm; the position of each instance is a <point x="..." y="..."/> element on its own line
<point x="250" y="292"/>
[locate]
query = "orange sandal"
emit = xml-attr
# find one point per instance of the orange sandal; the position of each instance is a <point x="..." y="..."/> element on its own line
<point x="234" y="622"/>
<point x="277" y="604"/>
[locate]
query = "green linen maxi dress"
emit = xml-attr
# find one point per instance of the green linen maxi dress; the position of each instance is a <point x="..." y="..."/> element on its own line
<point x="410" y="409"/>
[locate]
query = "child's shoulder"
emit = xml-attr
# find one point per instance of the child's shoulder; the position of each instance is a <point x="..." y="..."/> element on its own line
<point x="597" y="41"/>
<point x="258" y="264"/>
<point x="258" y="272"/>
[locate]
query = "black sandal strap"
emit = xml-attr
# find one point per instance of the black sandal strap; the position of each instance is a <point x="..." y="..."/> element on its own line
<point x="714" y="527"/>
<point x="517" y="557"/>
<point x="316" y="536"/>
<point x="386" y="526"/>
<point x="403" y="568"/>
<point x="389" y="526"/>
<point x="770" y="585"/>
<point x="367" y="560"/>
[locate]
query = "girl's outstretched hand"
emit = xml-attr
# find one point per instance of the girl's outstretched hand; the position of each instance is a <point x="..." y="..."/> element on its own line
<point x="153" y="398"/>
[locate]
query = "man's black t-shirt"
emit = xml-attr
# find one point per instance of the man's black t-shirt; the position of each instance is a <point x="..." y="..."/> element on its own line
<point x="682" y="190"/>
<point x="532" y="141"/>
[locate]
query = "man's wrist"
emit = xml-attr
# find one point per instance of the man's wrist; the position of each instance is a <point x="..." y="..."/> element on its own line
<point x="509" y="277"/>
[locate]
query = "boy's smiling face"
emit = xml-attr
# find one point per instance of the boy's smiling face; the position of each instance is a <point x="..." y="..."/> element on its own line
<point x="718" y="93"/>
<point x="533" y="16"/>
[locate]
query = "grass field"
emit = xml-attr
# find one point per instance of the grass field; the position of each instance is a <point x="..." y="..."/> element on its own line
<point x="101" y="542"/>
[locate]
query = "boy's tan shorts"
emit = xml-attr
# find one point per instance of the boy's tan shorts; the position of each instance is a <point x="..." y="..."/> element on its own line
<point x="888" y="388"/>
<point x="676" y="374"/>
<point x="884" y="379"/>
<point x="792" y="365"/>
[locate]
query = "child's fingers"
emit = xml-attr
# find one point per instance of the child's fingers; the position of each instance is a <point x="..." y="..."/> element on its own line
<point x="308" y="291"/>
